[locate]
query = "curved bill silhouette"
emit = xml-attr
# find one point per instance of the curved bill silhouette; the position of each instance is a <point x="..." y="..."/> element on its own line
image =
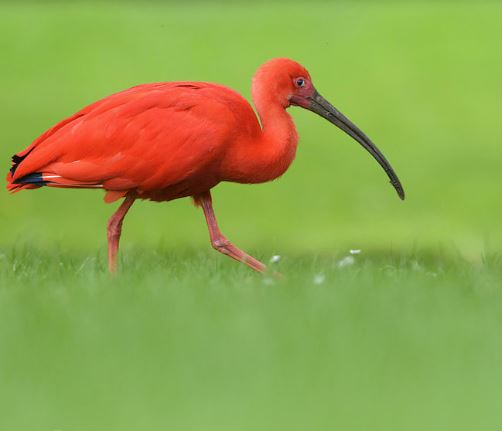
<point x="322" y="107"/>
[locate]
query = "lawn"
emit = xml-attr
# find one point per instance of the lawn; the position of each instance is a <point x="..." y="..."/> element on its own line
<point x="190" y="342"/>
<point x="406" y="337"/>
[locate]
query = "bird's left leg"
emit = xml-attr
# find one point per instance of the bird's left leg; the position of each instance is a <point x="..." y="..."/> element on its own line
<point x="218" y="241"/>
<point x="115" y="229"/>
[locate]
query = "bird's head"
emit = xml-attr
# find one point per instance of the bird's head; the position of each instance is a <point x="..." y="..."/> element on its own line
<point x="286" y="82"/>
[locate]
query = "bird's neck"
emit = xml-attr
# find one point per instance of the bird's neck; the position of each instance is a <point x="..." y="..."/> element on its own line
<point x="278" y="127"/>
<point x="268" y="155"/>
<point x="279" y="138"/>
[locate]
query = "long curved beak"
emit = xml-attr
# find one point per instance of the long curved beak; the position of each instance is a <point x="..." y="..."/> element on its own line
<point x="322" y="107"/>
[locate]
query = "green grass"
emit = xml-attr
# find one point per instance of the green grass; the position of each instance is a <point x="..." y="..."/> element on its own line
<point x="190" y="341"/>
<point x="406" y="338"/>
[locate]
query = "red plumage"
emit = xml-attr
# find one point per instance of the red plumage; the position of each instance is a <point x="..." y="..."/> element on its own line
<point x="162" y="141"/>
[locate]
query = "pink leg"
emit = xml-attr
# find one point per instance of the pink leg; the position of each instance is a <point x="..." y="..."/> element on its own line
<point x="218" y="241"/>
<point x="114" y="230"/>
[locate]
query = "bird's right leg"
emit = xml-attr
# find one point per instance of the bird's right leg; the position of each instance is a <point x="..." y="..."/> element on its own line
<point x="218" y="241"/>
<point x="114" y="230"/>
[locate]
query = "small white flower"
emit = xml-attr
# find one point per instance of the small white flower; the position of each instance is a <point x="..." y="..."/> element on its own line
<point x="274" y="259"/>
<point x="356" y="251"/>
<point x="346" y="261"/>
<point x="319" y="278"/>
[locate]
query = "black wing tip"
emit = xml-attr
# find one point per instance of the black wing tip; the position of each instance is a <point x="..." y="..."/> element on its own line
<point x="16" y="160"/>
<point x="15" y="163"/>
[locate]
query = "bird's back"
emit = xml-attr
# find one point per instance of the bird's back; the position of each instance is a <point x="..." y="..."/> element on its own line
<point x="157" y="139"/>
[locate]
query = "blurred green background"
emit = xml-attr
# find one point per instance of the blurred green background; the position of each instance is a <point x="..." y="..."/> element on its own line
<point x="422" y="79"/>
<point x="406" y="338"/>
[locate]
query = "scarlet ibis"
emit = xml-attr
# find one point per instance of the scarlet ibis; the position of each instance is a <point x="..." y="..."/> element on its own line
<point x="169" y="140"/>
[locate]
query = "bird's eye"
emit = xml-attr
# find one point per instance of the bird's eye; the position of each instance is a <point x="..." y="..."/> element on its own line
<point x="300" y="82"/>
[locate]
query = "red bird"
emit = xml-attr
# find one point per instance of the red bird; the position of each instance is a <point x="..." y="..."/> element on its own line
<point x="170" y="140"/>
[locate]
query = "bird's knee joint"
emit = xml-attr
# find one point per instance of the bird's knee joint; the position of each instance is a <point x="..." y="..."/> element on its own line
<point x="220" y="244"/>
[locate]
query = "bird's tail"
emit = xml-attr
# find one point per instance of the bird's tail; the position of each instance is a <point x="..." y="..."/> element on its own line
<point x="40" y="179"/>
<point x="36" y="180"/>
<point x="32" y="180"/>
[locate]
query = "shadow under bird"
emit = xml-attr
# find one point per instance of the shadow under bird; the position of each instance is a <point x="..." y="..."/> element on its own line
<point x="169" y="140"/>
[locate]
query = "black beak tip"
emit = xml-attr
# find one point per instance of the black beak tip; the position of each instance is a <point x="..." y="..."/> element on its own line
<point x="399" y="190"/>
